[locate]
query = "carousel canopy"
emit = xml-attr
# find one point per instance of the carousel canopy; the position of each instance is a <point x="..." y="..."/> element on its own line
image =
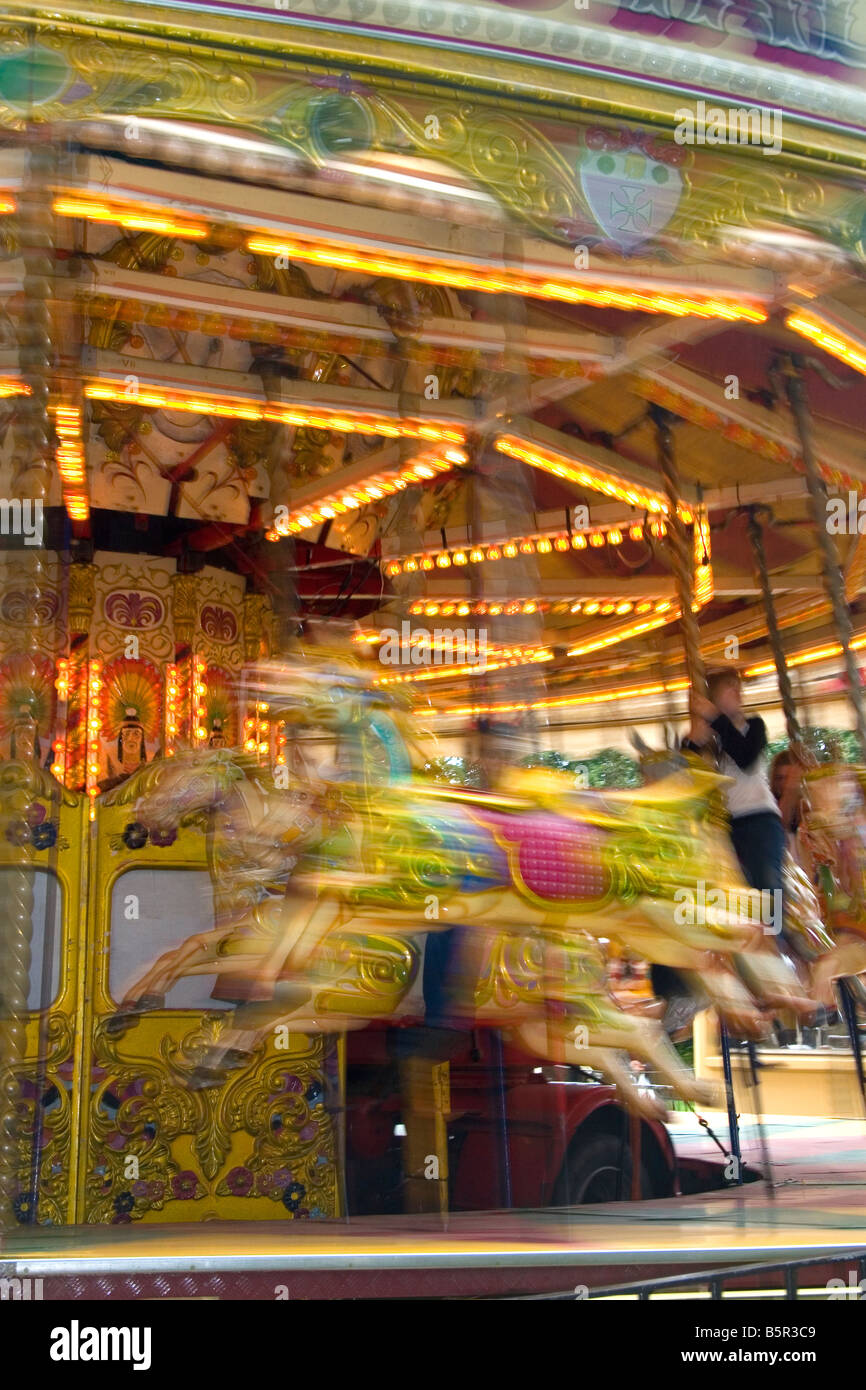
<point x="399" y="358"/>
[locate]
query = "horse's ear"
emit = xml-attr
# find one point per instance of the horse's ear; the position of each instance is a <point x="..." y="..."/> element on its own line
<point x="637" y="742"/>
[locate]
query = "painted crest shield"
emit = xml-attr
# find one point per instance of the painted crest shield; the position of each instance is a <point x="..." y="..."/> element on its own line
<point x="631" y="195"/>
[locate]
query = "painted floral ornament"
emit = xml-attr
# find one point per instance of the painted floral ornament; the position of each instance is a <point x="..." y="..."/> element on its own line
<point x="135" y="835"/>
<point x="36" y="829"/>
<point x="161" y="838"/>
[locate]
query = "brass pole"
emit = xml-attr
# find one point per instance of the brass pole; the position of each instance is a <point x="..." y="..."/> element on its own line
<point x="786" y="690"/>
<point x="791" y="368"/>
<point x="682" y="561"/>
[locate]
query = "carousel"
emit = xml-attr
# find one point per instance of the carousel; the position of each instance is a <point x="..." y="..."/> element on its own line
<point x="387" y="435"/>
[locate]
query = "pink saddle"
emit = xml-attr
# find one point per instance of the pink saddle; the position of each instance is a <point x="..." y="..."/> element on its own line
<point x="555" y="859"/>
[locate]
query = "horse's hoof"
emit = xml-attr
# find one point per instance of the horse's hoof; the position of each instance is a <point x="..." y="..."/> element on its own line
<point x="205" y="1079"/>
<point x="651" y="1109"/>
<point x="145" y="1004"/>
<point x="216" y="1062"/>
<point x="291" y="995"/>
<point x="236" y="1058"/>
<point x="119" y="1024"/>
<point x="704" y="1093"/>
<point x="263" y="1013"/>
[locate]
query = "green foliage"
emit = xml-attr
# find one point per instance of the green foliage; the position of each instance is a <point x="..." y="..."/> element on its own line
<point x="456" y="771"/>
<point x="557" y="761"/>
<point x="608" y="768"/>
<point x="826" y="744"/>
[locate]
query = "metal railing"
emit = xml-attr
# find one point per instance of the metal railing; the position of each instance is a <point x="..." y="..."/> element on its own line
<point x="712" y="1282"/>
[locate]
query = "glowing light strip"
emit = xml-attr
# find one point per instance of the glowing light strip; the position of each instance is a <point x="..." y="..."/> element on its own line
<point x="702" y="556"/>
<point x="320" y="417"/>
<point x="7" y="204"/>
<point x="71" y="462"/>
<point x="12" y="387"/>
<point x="377" y="486"/>
<point x="805" y="658"/>
<point x="703" y="595"/>
<point x="833" y="340"/>
<point x="135" y="219"/>
<point x="589" y="607"/>
<point x="255" y="727"/>
<point x="172" y="691"/>
<point x="536" y="543"/>
<point x="464" y="275"/>
<point x="198" y="696"/>
<point x="472" y="669"/>
<point x="565" y="701"/>
<point x="623" y="634"/>
<point x="61" y="684"/>
<point x="94" y="731"/>
<point x="748" y="628"/>
<point x="455" y="273"/>
<point x="734" y="428"/>
<point x="280" y="742"/>
<point x="585" y="475"/>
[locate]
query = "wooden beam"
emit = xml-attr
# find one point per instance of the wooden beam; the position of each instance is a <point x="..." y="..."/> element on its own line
<point x="113" y="367"/>
<point x="836" y="450"/>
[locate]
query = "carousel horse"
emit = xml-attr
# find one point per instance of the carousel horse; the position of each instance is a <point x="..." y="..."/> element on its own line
<point x="533" y="871"/>
<point x="833" y="832"/>
<point x="340" y="946"/>
<point x="256" y="831"/>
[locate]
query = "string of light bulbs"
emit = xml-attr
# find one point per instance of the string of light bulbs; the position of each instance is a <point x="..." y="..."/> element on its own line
<point x="493" y="608"/>
<point x="535" y="543"/>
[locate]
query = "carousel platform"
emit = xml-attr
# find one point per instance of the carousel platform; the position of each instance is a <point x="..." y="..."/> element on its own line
<point x="469" y="1256"/>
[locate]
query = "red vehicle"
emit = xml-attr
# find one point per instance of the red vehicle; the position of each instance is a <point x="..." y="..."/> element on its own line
<point x="519" y="1134"/>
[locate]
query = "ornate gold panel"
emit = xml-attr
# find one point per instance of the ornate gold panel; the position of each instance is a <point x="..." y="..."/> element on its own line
<point x="43" y="847"/>
<point x="487" y="130"/>
<point x="264" y="1144"/>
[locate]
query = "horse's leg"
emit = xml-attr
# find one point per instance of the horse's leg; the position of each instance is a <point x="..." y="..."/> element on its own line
<point x="848" y="958"/>
<point x="175" y="963"/>
<point x="537" y="1040"/>
<point x="647" y="1041"/>
<point x="773" y="981"/>
<point x="200" y="954"/>
<point x="302" y="927"/>
<point x="729" y="995"/>
<point x="655" y="921"/>
<point x="645" y="940"/>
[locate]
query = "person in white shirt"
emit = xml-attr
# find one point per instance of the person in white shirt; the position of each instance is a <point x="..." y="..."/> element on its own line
<point x="757" y="830"/>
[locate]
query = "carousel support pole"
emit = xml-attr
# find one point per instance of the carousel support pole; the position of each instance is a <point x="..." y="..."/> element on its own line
<point x="848" y="1006"/>
<point x="31" y="478"/>
<point x="680" y="552"/>
<point x="791" y="368"/>
<point x="733" y="1121"/>
<point x="786" y="690"/>
<point x="848" y="1010"/>
<point x="682" y="563"/>
<point x="789" y="706"/>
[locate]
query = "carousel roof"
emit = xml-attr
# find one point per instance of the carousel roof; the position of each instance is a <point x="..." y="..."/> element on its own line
<point x="391" y="379"/>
